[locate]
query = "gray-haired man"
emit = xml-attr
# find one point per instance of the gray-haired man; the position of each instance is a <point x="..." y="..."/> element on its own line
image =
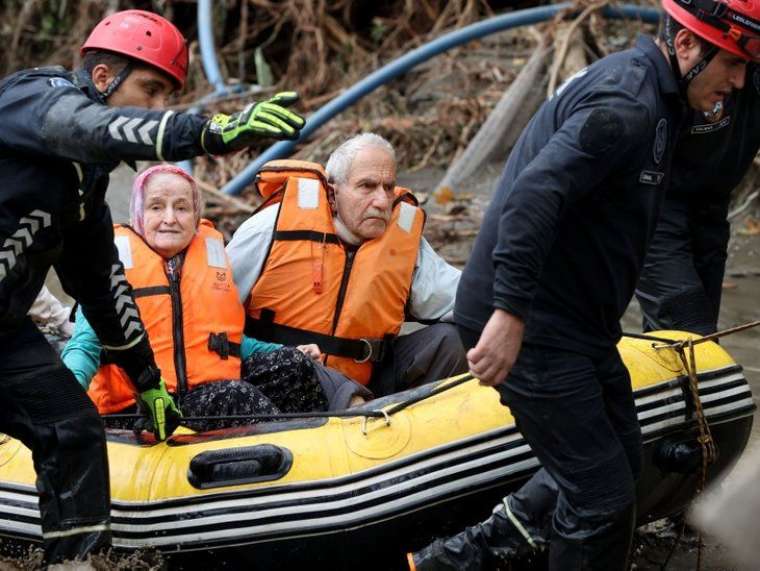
<point x="336" y="257"/>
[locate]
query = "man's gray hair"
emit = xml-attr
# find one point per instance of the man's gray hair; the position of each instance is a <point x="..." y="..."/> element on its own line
<point x="338" y="165"/>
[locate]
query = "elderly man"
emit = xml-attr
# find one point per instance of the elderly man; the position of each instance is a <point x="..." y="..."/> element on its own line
<point x="337" y="258"/>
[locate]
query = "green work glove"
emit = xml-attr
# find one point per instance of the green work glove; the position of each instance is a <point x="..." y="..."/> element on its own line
<point x="270" y="118"/>
<point x="162" y="416"/>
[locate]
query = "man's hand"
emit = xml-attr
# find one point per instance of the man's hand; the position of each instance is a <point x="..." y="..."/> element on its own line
<point x="497" y="349"/>
<point x="161" y="414"/>
<point x="310" y="350"/>
<point x="226" y="133"/>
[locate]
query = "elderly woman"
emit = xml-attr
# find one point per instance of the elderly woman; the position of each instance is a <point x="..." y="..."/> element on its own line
<point x="182" y="281"/>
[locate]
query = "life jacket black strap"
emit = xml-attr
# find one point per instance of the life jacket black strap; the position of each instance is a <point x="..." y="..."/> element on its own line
<point x="360" y="350"/>
<point x="220" y="343"/>
<point x="150" y="290"/>
<point x="306" y="235"/>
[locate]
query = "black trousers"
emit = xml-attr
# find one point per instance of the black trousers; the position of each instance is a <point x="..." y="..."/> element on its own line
<point x="429" y="354"/>
<point x="680" y="284"/>
<point x="42" y="405"/>
<point x="579" y="417"/>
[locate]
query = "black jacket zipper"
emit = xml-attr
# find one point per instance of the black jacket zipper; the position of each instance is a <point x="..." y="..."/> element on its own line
<point x="180" y="361"/>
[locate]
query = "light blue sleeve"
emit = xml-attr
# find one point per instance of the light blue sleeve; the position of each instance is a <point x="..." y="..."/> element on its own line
<point x="434" y="286"/>
<point x="248" y="249"/>
<point x="82" y="353"/>
<point x="249" y="346"/>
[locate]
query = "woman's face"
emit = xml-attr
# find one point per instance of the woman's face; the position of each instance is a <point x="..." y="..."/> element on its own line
<point x="168" y="214"/>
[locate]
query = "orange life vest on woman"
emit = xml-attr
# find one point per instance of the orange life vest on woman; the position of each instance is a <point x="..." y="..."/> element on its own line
<point x="194" y="321"/>
<point x="313" y="289"/>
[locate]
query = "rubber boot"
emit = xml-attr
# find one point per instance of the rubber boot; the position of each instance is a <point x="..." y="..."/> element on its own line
<point x="606" y="551"/>
<point x="477" y="547"/>
<point x="498" y="538"/>
<point x="72" y="481"/>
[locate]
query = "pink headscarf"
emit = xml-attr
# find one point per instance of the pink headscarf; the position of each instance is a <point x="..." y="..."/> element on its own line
<point x="137" y="200"/>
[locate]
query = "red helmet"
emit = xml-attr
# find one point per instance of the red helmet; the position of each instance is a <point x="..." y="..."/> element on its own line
<point x="732" y="25"/>
<point x="144" y="36"/>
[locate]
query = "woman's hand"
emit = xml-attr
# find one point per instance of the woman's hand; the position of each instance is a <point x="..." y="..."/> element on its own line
<point x="310" y="350"/>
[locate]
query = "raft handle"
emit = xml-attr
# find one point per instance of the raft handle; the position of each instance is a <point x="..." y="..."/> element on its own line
<point x="234" y="466"/>
<point x="364" y="421"/>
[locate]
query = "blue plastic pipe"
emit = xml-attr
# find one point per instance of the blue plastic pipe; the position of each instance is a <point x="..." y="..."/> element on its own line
<point x="413" y="58"/>
<point x="208" y="49"/>
<point x="209" y="62"/>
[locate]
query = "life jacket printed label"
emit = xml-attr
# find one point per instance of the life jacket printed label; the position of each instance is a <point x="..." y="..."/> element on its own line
<point x="710" y="127"/>
<point x="406" y="216"/>
<point x="221" y="282"/>
<point x="215" y="256"/>
<point x="651" y="177"/>
<point x="125" y="250"/>
<point x="308" y="193"/>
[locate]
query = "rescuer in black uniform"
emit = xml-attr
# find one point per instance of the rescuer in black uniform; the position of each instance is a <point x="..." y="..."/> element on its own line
<point x="680" y="285"/>
<point x="61" y="134"/>
<point x="555" y="266"/>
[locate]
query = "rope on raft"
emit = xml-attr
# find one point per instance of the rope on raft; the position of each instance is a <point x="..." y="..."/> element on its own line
<point x="659" y="343"/>
<point x="685" y="350"/>
<point x="672" y="343"/>
<point x="350" y="413"/>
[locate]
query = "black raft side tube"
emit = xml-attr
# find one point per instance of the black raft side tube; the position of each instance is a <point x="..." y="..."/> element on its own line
<point x="419" y="55"/>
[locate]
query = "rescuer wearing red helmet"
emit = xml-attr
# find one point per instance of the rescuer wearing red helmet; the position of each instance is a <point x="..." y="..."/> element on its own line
<point x="554" y="267"/>
<point x="62" y="134"/>
<point x="681" y="283"/>
<point x="716" y="39"/>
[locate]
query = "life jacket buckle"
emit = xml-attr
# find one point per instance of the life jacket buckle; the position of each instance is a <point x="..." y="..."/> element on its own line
<point x="219" y="343"/>
<point x="370" y="351"/>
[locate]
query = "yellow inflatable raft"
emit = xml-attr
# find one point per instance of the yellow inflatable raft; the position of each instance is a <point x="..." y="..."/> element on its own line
<point x="359" y="492"/>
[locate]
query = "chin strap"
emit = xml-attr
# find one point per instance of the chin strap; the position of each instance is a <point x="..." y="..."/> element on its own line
<point x="683" y="80"/>
<point x="117" y="81"/>
<point x="83" y="80"/>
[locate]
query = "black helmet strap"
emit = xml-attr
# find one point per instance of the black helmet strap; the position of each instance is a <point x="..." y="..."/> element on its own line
<point x="117" y="81"/>
<point x="684" y="79"/>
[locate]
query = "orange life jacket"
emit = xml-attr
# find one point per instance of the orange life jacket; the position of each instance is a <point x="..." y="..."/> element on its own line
<point x="194" y="321"/>
<point x="313" y="289"/>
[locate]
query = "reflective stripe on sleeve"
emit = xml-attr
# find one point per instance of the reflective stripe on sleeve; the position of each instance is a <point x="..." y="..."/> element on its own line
<point x="160" y="137"/>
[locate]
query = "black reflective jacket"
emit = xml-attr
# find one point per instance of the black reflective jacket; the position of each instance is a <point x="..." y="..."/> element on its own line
<point x="564" y="238"/>
<point x="58" y="143"/>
